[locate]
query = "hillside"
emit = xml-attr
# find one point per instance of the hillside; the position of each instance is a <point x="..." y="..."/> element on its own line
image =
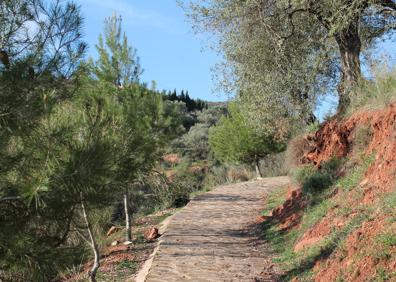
<point x="338" y="221"/>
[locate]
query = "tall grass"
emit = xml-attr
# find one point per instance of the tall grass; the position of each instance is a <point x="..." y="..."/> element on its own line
<point x="377" y="92"/>
<point x="274" y="165"/>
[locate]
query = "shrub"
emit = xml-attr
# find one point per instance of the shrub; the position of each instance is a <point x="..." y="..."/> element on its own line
<point x="222" y="174"/>
<point x="312" y="127"/>
<point x="315" y="180"/>
<point x="237" y="174"/>
<point x="300" y="174"/>
<point x="179" y="193"/>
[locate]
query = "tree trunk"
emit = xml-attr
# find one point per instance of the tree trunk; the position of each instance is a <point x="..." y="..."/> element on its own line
<point x="128" y="229"/>
<point x="94" y="246"/>
<point x="257" y="166"/>
<point x="349" y="44"/>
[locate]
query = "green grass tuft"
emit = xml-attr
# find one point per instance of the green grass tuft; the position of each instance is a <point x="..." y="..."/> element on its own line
<point x="351" y="180"/>
<point x="275" y="199"/>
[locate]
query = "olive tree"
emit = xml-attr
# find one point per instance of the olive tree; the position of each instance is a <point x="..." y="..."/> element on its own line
<point x="290" y="51"/>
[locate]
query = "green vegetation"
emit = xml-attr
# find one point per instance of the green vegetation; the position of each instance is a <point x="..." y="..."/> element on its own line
<point x="318" y="186"/>
<point x="234" y="139"/>
<point x="274" y="200"/>
<point x="356" y="174"/>
<point x="284" y="54"/>
<point x="191" y="104"/>
<point x="314" y="181"/>
<point x="375" y="93"/>
<point x="77" y="139"/>
<point x="194" y="144"/>
<point x="118" y="62"/>
<point x="83" y="142"/>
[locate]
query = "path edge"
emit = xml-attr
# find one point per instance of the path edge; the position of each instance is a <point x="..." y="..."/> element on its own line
<point x="145" y="269"/>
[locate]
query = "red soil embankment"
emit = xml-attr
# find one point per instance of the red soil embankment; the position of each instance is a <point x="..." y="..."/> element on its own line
<point x="358" y="259"/>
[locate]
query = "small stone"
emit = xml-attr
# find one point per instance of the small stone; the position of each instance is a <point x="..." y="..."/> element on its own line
<point x="127" y="243"/>
<point x="151" y="234"/>
<point x="364" y="182"/>
<point x="114" y="243"/>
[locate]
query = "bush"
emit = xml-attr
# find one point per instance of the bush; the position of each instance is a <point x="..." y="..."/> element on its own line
<point x="175" y="191"/>
<point x="313" y="127"/>
<point x="223" y="174"/>
<point x="315" y="180"/>
<point x="178" y="194"/>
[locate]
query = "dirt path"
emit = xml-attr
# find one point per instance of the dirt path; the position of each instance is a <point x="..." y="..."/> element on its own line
<point x="211" y="239"/>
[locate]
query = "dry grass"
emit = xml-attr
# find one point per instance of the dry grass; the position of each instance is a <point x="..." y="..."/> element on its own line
<point x="238" y="174"/>
<point x="375" y="93"/>
<point x="296" y="149"/>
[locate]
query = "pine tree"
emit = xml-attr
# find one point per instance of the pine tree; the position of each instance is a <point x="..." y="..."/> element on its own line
<point x="118" y="62"/>
<point x="39" y="74"/>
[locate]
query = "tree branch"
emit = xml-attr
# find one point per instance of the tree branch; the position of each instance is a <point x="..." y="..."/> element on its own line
<point x="387" y="4"/>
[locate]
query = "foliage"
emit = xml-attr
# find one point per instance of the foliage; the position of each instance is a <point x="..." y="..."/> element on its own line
<point x="191" y="104"/>
<point x="71" y="144"/>
<point x="219" y="174"/>
<point x="313" y="127"/>
<point x="195" y="143"/>
<point x="274" y="165"/>
<point x="39" y="75"/>
<point x="177" y="191"/>
<point x="279" y="70"/>
<point x="117" y="63"/>
<point x="233" y="139"/>
<point x="315" y="180"/>
<point x="40" y="38"/>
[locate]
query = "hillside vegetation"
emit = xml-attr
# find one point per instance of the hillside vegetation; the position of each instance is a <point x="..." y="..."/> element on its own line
<point x="338" y="222"/>
<point x="92" y="159"/>
<point x="90" y="156"/>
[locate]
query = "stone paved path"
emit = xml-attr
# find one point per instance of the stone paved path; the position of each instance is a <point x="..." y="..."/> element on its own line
<point x="211" y="239"/>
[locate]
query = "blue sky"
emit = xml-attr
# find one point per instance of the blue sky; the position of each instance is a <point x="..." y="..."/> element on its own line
<point x="170" y="52"/>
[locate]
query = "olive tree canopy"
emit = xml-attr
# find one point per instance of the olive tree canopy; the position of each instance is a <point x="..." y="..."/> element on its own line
<point x="284" y="53"/>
